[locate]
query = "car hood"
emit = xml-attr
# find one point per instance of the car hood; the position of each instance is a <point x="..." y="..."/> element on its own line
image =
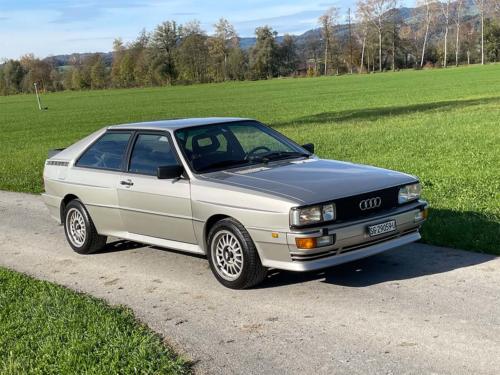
<point x="312" y="180"/>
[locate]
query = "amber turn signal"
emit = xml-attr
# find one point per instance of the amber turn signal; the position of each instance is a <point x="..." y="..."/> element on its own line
<point x="305" y="243"/>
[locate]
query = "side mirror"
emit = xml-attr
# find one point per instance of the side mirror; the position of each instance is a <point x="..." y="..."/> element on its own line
<point x="169" y="172"/>
<point x="309" y="147"/>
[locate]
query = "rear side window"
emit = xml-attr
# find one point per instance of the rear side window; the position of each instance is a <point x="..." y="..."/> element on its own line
<point x="107" y="153"/>
<point x="150" y="152"/>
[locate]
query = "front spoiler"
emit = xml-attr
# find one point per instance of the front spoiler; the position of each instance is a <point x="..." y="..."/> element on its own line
<point x="334" y="260"/>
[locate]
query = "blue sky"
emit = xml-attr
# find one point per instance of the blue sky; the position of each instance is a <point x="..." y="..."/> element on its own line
<point x="51" y="27"/>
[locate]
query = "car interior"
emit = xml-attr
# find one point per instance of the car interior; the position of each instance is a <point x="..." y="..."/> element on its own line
<point x="211" y="146"/>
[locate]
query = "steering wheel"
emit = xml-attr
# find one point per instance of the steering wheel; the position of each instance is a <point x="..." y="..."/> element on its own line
<point x="255" y="149"/>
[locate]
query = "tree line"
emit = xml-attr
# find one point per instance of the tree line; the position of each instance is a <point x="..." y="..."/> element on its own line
<point x="378" y="35"/>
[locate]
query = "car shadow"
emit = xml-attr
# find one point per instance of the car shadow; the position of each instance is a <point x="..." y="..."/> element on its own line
<point x="460" y="229"/>
<point x="408" y="262"/>
<point x="379" y="112"/>
<point x="117" y="245"/>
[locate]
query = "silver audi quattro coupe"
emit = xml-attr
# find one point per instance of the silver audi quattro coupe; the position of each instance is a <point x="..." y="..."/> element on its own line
<point x="232" y="189"/>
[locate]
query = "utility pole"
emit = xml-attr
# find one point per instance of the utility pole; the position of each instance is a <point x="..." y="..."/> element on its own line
<point x="350" y="39"/>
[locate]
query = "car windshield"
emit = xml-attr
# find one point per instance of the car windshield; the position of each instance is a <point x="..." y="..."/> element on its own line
<point x="221" y="146"/>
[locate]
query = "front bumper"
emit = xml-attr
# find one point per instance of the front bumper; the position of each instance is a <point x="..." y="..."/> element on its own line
<point x="352" y="241"/>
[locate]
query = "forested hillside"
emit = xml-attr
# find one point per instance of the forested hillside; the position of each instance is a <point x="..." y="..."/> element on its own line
<point x="378" y="36"/>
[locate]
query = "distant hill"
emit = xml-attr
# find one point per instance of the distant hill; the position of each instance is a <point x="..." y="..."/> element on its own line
<point x="63" y="60"/>
<point x="406" y="14"/>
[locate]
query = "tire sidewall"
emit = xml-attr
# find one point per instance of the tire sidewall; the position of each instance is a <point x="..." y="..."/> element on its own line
<point x="227" y="225"/>
<point x="85" y="247"/>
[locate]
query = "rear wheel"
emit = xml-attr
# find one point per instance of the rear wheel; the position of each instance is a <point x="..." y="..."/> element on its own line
<point x="80" y="230"/>
<point x="233" y="257"/>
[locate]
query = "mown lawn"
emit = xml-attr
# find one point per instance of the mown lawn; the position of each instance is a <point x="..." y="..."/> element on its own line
<point x="442" y="125"/>
<point x="48" y="329"/>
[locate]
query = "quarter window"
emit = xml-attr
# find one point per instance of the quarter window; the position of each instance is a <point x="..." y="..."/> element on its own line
<point x="107" y="153"/>
<point x="150" y="152"/>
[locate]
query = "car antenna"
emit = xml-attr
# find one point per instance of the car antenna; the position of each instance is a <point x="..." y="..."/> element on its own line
<point x="38" y="99"/>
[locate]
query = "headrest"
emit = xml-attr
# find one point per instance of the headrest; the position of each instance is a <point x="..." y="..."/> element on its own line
<point x="205" y="143"/>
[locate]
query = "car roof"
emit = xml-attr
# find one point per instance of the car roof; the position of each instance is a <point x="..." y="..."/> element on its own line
<point x="177" y="123"/>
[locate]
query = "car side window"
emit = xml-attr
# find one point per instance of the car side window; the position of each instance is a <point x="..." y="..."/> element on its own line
<point x="150" y="152"/>
<point x="107" y="152"/>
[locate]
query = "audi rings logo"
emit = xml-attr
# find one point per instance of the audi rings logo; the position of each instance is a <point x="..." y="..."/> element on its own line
<point x="369" y="204"/>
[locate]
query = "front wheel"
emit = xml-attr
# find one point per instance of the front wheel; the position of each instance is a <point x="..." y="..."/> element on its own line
<point x="80" y="230"/>
<point x="233" y="257"/>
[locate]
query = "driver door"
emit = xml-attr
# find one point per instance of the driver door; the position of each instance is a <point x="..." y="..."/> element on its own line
<point x="150" y="206"/>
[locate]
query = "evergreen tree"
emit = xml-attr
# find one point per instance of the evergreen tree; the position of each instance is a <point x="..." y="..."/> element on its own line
<point x="98" y="76"/>
<point x="263" y="55"/>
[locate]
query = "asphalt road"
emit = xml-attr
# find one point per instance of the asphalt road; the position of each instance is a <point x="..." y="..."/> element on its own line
<point x="415" y="310"/>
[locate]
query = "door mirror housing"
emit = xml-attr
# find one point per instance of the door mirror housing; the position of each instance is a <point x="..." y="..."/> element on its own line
<point x="309" y="147"/>
<point x="169" y="172"/>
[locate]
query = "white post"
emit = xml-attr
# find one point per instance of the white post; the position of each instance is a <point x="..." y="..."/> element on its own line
<point x="37" y="97"/>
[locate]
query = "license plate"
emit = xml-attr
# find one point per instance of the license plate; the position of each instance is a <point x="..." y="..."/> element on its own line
<point x="388" y="226"/>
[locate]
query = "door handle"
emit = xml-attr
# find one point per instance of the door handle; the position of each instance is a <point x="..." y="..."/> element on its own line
<point x="127" y="183"/>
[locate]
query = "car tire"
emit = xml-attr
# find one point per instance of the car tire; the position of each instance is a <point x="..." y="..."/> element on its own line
<point x="80" y="230"/>
<point x="233" y="257"/>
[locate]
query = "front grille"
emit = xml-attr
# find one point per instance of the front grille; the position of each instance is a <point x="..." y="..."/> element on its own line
<point x="374" y="242"/>
<point x="348" y="208"/>
<point x="343" y="250"/>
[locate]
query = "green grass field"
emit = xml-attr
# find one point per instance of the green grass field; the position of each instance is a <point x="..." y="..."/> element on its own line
<point x="47" y="329"/>
<point x="442" y="125"/>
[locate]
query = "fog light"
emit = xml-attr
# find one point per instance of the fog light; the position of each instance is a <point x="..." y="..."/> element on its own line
<point x="324" y="241"/>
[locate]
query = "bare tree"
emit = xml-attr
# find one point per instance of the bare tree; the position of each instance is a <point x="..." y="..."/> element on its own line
<point x="483" y="6"/>
<point x="225" y="38"/>
<point x="445" y="11"/>
<point x="427" y="9"/>
<point x="480" y="4"/>
<point x="327" y="22"/>
<point x="362" y="32"/>
<point x="350" y="39"/>
<point x="470" y="39"/>
<point x="377" y="11"/>
<point x="395" y="27"/>
<point x="459" y="5"/>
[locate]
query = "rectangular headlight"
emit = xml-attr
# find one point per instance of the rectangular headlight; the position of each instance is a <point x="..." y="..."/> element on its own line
<point x="409" y="193"/>
<point x="305" y="216"/>
<point x="329" y="212"/>
<point x="312" y="215"/>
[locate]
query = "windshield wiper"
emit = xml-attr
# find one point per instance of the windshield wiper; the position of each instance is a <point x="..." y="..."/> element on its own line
<point x="223" y="163"/>
<point x="277" y="155"/>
